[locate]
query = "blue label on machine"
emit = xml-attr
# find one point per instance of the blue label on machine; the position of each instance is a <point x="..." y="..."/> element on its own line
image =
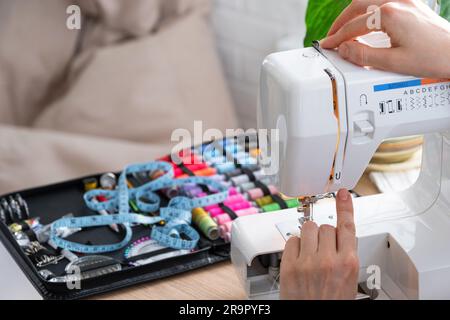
<point x="407" y="84"/>
<point x="397" y="85"/>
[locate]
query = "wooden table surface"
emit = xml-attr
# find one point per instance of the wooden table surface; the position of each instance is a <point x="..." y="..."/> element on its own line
<point x="217" y="282"/>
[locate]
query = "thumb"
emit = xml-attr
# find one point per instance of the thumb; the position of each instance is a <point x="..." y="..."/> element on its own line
<point x="363" y="55"/>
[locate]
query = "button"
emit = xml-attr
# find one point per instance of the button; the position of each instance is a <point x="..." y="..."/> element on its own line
<point x="364" y="127"/>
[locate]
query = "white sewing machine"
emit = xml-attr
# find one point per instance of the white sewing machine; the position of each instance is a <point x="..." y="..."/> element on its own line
<point x="332" y="116"/>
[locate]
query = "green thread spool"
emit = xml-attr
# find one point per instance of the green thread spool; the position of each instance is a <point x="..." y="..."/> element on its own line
<point x="198" y="214"/>
<point x="205" y="223"/>
<point x="291" y="203"/>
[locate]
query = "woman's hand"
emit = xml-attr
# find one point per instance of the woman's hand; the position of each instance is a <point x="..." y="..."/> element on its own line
<point x="420" y="38"/>
<point x="323" y="263"/>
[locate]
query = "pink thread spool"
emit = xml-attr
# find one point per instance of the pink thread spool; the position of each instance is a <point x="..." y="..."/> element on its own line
<point x="222" y="219"/>
<point x="227" y="237"/>
<point x="240" y="206"/>
<point x="194" y="192"/>
<point x="225" y="228"/>
<point x="258" y="193"/>
<point x="225" y="218"/>
<point x="234" y="199"/>
<point x="214" y="212"/>
<point x="234" y="206"/>
<point x="228" y="202"/>
<point x="193" y="167"/>
<point x="213" y="206"/>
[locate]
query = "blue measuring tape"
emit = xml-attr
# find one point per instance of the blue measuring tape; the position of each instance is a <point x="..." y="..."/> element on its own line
<point x="177" y="215"/>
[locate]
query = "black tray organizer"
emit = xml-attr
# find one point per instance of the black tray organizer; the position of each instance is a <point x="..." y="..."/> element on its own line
<point x="52" y="202"/>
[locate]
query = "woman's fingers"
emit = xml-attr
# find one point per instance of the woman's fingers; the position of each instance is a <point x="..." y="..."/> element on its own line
<point x="346" y="235"/>
<point x="327" y="240"/>
<point x="291" y="250"/>
<point x="356" y="8"/>
<point x="363" y="55"/>
<point x="355" y="28"/>
<point x="309" y="239"/>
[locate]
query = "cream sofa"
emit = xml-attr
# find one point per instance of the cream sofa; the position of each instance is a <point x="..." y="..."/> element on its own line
<point x="74" y="102"/>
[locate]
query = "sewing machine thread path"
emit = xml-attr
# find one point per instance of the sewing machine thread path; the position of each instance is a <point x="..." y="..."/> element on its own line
<point x="331" y="117"/>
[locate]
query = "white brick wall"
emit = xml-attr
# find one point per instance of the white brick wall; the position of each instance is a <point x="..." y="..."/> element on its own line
<point x="246" y="32"/>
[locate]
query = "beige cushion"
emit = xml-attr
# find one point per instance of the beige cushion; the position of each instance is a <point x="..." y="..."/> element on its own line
<point x="31" y="157"/>
<point x="133" y="18"/>
<point x="35" y="49"/>
<point x="142" y="90"/>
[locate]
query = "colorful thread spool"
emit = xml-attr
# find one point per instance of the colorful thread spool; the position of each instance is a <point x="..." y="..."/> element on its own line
<point x="238" y="171"/>
<point x="240" y="205"/>
<point x="192" y="167"/>
<point x="186" y="157"/>
<point x="245" y="178"/>
<point x="264" y="201"/>
<point x="255" y="194"/>
<point x="225" y="228"/>
<point x="291" y="203"/>
<point x="192" y="193"/>
<point x="90" y="184"/>
<point x="233" y="199"/>
<point x="232" y="191"/>
<point x="225" y="218"/>
<point x="201" y="173"/>
<point x="156" y="174"/>
<point x="218" y="177"/>
<point x="217" y="151"/>
<point x="196" y="191"/>
<point x="236" y="198"/>
<point x="215" y="211"/>
<point x="108" y="181"/>
<point x="205" y="223"/>
<point x="233" y="173"/>
<point x="169" y="192"/>
<point x="225" y="167"/>
<point x="235" y="207"/>
<point x="251" y="185"/>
